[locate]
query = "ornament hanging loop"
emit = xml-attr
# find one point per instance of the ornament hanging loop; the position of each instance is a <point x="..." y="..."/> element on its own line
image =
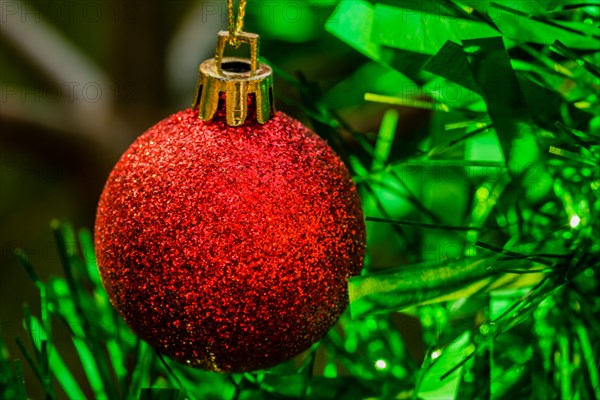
<point x="237" y="78"/>
<point x="235" y="28"/>
<point x="251" y="39"/>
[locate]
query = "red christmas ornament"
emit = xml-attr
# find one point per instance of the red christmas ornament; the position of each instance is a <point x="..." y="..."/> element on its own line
<point x="229" y="248"/>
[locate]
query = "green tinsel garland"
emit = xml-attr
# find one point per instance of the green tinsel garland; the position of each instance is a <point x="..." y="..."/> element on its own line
<point x="485" y="229"/>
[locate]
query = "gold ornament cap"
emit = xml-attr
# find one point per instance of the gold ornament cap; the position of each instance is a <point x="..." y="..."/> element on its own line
<point x="237" y="78"/>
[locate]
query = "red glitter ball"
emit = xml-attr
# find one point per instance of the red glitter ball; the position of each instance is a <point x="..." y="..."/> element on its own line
<point x="229" y="248"/>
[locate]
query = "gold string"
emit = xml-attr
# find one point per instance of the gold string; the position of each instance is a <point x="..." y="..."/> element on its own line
<point x="236" y="27"/>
